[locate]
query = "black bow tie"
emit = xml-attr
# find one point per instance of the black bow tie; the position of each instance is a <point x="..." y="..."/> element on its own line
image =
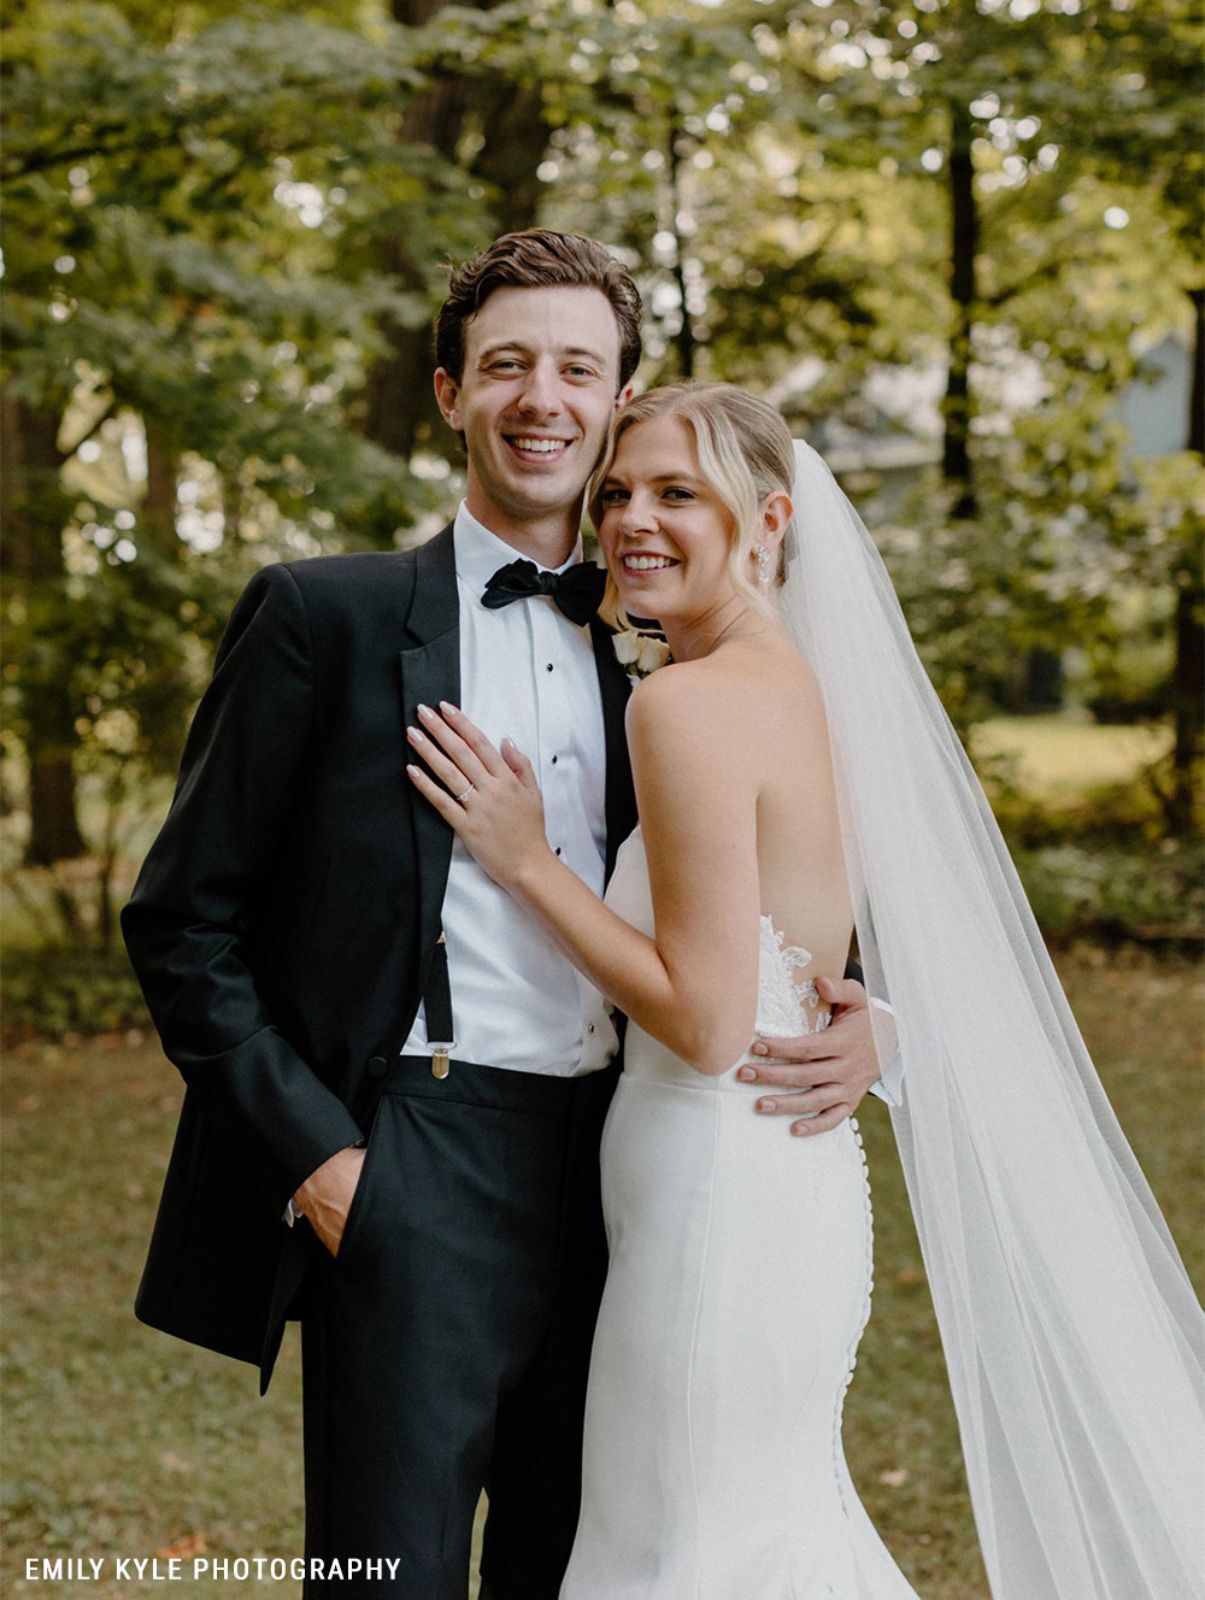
<point x="576" y="592"/>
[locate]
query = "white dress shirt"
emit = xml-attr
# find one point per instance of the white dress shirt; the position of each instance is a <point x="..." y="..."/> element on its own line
<point x="890" y="1086"/>
<point x="529" y="673"/>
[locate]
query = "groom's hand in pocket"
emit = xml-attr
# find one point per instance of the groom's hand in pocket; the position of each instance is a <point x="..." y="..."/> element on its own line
<point x="818" y="1078"/>
<point x="324" y="1199"/>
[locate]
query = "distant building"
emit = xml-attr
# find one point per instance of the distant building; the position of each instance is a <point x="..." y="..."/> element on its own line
<point x="882" y="442"/>
<point x="1154" y="408"/>
<point x="886" y="439"/>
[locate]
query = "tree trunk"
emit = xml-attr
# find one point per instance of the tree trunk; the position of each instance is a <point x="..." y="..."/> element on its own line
<point x="400" y="406"/>
<point x="401" y="410"/>
<point x="956" y="465"/>
<point x="685" y="341"/>
<point x="516" y="137"/>
<point x="36" y="510"/>
<point x="158" y="516"/>
<point x="1188" y="674"/>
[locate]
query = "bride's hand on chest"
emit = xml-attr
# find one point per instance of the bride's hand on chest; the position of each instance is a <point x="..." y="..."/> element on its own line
<point x="490" y="797"/>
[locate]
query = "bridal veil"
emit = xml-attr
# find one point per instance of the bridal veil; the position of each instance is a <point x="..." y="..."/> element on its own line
<point x="1071" y="1333"/>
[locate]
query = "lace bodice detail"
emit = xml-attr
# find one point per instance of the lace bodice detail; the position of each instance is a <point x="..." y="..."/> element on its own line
<point x="784" y="998"/>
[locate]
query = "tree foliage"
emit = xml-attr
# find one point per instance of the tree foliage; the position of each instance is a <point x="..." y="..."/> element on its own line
<point x="226" y="229"/>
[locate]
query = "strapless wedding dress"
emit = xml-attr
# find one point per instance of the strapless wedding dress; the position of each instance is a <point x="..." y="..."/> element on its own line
<point x="738" y="1289"/>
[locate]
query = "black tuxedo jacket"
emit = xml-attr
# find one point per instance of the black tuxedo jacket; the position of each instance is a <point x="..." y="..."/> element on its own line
<point x="283" y="923"/>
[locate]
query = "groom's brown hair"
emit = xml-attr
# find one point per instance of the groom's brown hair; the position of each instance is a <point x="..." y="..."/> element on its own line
<point x="538" y="258"/>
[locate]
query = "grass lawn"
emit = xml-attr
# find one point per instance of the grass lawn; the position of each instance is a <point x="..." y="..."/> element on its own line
<point x="120" y="1441"/>
<point x="1058" y="757"/>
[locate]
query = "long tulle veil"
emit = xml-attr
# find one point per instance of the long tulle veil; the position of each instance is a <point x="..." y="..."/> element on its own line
<point x="1071" y="1333"/>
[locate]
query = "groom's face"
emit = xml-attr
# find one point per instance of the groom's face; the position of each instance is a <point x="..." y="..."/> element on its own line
<point x="537" y="394"/>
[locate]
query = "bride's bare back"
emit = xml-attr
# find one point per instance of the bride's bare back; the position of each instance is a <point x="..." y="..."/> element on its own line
<point x="764" y="711"/>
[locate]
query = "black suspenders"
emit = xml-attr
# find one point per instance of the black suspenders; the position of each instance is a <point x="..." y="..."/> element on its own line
<point x="437" y="1005"/>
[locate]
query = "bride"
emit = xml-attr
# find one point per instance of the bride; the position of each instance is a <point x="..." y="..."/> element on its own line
<point x="740" y="1270"/>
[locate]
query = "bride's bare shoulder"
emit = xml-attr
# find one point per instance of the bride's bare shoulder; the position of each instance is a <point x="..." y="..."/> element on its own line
<point x="686" y="744"/>
<point x="669" y="695"/>
<point x="729" y="693"/>
<point x="682" y="711"/>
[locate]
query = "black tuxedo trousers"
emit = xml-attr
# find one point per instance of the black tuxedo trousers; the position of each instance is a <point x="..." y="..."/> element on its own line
<point x="447" y="1345"/>
<point x="282" y="929"/>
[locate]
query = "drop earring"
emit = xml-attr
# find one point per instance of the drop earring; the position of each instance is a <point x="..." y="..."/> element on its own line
<point x="763" y="565"/>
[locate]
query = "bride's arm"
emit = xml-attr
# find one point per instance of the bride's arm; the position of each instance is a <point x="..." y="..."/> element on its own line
<point x="693" y="986"/>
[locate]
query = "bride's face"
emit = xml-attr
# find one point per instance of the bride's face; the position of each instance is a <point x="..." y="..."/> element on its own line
<point x="665" y="533"/>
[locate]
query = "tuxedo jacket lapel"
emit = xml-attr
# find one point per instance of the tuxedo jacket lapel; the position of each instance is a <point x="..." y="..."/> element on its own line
<point x="620" y="800"/>
<point x="431" y="673"/>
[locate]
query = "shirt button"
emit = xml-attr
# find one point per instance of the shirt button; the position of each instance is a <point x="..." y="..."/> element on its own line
<point x="377" y="1067"/>
<point x="590" y="1027"/>
<point x="554" y="761"/>
<point x="558" y="849"/>
<point x="548" y="668"/>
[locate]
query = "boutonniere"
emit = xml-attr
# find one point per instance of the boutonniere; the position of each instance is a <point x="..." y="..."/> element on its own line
<point x="639" y="651"/>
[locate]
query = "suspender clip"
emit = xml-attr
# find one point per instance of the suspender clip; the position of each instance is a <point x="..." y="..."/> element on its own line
<point x="440" y="1065"/>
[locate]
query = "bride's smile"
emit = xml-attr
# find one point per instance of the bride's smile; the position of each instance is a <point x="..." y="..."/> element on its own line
<point x="665" y="533"/>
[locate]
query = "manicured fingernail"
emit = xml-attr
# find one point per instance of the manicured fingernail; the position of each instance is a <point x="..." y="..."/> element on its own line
<point x="416" y="733"/>
<point x="425" y="711"/>
<point x="507" y="740"/>
<point x="411" y="771"/>
<point x="448" y="709"/>
<point x="767" y="1105"/>
<point x="799" y="1129"/>
<point x="747" y="1075"/>
<point x="760" y="1049"/>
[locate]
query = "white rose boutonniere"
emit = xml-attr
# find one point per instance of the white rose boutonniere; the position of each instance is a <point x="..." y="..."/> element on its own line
<point x="641" y="653"/>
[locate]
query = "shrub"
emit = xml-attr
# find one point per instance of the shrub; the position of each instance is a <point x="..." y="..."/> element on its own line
<point x="52" y="992"/>
<point x="1152" y="896"/>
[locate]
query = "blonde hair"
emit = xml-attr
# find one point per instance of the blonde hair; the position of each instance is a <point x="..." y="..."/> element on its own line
<point x="745" y="453"/>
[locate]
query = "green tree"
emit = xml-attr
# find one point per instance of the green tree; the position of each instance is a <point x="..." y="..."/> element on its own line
<point x="177" y="291"/>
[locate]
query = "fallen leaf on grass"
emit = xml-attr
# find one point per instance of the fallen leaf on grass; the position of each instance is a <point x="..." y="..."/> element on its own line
<point x="191" y="1544"/>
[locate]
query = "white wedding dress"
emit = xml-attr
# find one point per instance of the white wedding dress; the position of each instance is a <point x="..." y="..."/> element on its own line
<point x="738" y="1289"/>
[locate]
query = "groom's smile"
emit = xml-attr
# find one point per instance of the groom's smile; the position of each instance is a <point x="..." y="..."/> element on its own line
<point x="538" y="449"/>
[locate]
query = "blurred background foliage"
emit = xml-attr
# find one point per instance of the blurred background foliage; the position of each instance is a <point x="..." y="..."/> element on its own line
<point x="957" y="241"/>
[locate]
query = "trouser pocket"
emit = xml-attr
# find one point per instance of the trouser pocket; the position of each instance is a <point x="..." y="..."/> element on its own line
<point x="360" y="1210"/>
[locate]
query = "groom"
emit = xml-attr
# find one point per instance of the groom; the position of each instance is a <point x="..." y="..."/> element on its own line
<point x="326" y="968"/>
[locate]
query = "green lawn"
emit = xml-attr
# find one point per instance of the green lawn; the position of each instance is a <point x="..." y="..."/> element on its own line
<point x="121" y="1441"/>
<point x="1059" y="757"/>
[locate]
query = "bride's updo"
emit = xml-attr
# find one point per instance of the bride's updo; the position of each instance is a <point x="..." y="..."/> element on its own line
<point x="745" y="453"/>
